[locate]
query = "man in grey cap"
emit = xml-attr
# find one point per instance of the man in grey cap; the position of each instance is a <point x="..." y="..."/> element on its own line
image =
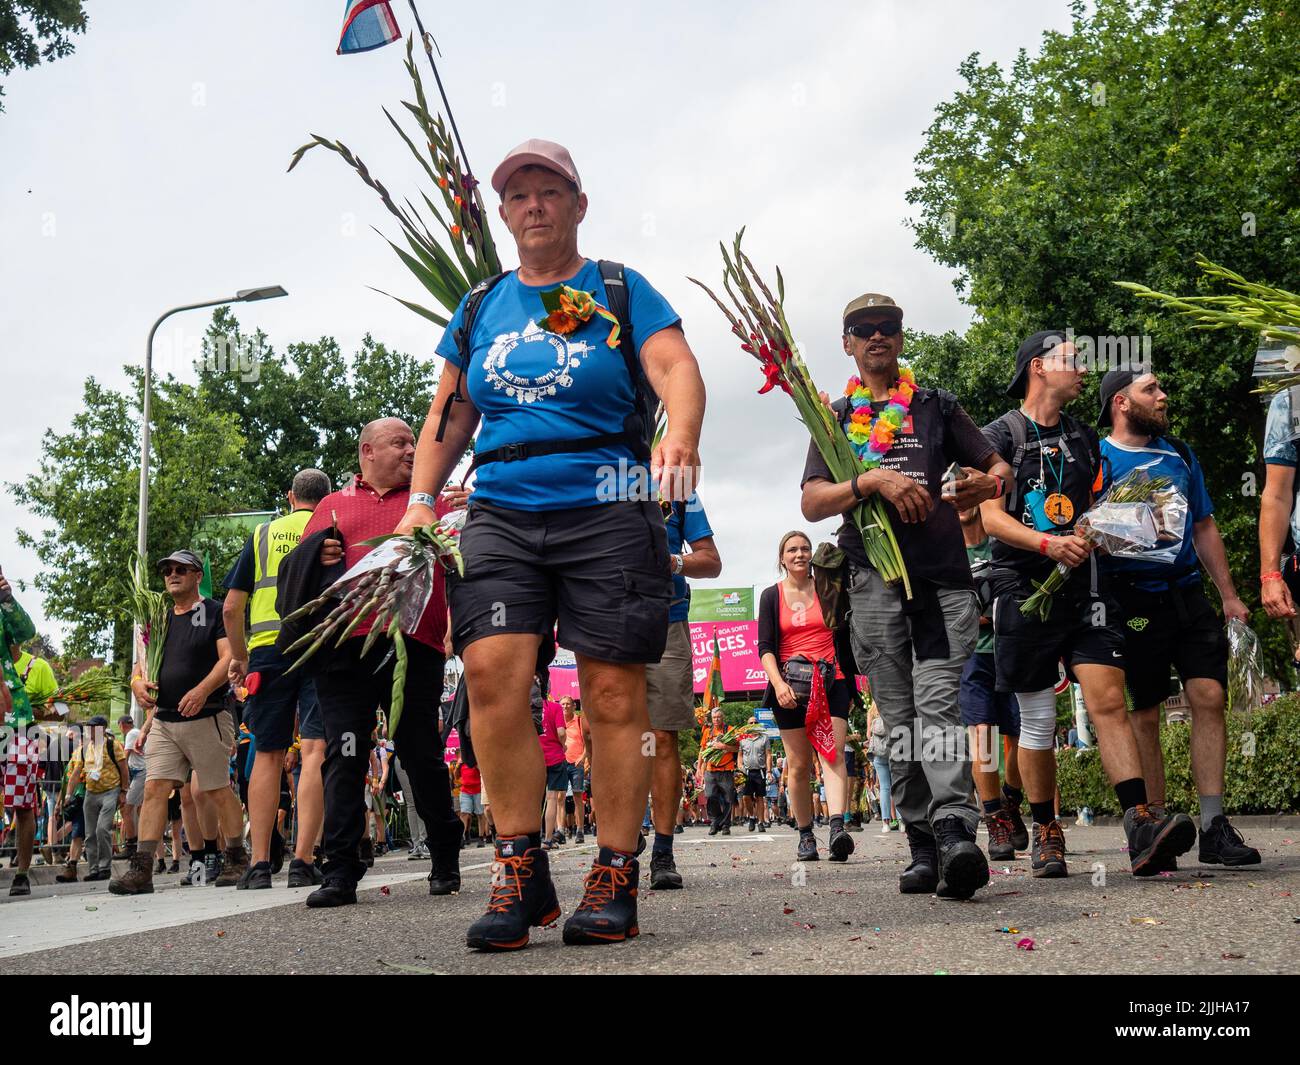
<point x="913" y="651"/>
<point x="564" y="527"/>
<point x="192" y="731"/>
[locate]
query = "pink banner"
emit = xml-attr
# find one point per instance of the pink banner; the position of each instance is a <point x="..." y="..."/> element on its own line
<point x="738" y="648"/>
<point x="564" y="681"/>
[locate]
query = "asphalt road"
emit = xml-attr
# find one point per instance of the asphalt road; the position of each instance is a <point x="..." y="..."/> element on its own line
<point x="746" y="908"/>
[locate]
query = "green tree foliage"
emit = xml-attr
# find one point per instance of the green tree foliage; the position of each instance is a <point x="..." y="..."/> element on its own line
<point x="305" y="407"/>
<point x="1260" y="778"/>
<point x="232" y="441"/>
<point x="35" y="30"/>
<point x="1151" y="131"/>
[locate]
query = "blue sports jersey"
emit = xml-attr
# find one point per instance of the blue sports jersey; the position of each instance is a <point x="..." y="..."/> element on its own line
<point x="531" y="385"/>
<point x="686" y="524"/>
<point x="1117" y="461"/>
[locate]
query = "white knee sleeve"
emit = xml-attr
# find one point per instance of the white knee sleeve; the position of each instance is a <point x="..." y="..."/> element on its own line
<point x="1037" y="719"/>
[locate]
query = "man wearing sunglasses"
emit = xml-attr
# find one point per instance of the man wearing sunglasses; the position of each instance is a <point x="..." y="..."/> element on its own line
<point x="191" y="731"/>
<point x="914" y="650"/>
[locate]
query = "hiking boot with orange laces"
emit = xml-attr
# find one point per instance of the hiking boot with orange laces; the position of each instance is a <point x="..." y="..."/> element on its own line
<point x="523" y="897"/>
<point x="607" y="913"/>
<point x="1019" y="833"/>
<point x="1048" y="856"/>
<point x="1001" y="848"/>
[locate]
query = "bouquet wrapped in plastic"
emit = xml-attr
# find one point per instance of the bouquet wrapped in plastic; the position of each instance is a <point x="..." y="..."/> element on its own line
<point x="1245" y="677"/>
<point x="1139" y="516"/>
<point x="390" y="588"/>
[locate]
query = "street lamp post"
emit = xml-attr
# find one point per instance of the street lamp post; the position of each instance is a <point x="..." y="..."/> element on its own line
<point x="247" y="295"/>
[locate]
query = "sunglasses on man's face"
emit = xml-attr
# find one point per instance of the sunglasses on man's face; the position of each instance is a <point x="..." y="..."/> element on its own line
<point x="865" y="331"/>
<point x="167" y="571"/>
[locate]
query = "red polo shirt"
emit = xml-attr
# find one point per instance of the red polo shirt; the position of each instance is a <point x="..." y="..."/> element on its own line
<point x="362" y="514"/>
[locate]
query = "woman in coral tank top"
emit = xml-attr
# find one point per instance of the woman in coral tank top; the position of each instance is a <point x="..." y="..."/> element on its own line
<point x="791" y="623"/>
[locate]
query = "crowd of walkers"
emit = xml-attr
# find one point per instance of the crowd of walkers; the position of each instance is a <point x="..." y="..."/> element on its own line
<point x="567" y="541"/>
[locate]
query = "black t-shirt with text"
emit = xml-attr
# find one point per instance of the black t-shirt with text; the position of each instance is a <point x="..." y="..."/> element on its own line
<point x="923" y="449"/>
<point x="1066" y="469"/>
<point x="188" y="656"/>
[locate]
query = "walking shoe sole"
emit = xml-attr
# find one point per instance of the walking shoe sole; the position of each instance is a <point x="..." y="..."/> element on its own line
<point x="121" y="891"/>
<point x="964" y="875"/>
<point x="1177" y="838"/>
<point x="925" y="887"/>
<point x="1001" y="854"/>
<point x="841" y="847"/>
<point x="492" y="946"/>
<point x="1214" y="859"/>
<point x="665" y="884"/>
<point x="585" y="939"/>
<point x="1051" y="871"/>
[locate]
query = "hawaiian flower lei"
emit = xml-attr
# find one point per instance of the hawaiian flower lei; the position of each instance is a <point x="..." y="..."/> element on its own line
<point x="870" y="434"/>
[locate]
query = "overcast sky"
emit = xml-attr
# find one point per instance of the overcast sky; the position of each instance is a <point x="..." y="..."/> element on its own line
<point x="148" y="170"/>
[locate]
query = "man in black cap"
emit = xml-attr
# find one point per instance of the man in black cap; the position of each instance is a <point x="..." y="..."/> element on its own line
<point x="191" y="731"/>
<point x="1168" y="620"/>
<point x="914" y="651"/>
<point x="1057" y="466"/>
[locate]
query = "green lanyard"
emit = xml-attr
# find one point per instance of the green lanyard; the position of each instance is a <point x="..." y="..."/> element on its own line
<point x="1058" y="473"/>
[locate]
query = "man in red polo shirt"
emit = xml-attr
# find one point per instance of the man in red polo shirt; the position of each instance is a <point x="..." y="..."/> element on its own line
<point x="350" y="687"/>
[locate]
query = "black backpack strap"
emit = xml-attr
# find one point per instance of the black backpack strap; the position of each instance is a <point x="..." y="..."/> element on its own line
<point x="613" y="277"/>
<point x="472" y="304"/>
<point x="1018" y="426"/>
<point x="1184" y="452"/>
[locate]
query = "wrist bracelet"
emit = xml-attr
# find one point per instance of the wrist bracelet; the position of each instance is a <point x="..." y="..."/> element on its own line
<point x="857" y="491"/>
<point x="1002" y="487"/>
<point x="1042" y="545"/>
<point x="421" y="499"/>
<point x="1276" y="575"/>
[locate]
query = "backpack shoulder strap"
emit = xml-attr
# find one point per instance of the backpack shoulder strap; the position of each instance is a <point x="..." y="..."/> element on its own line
<point x="472" y="304"/>
<point x="1018" y="427"/>
<point x="614" y="278"/>
<point x="1184" y="452"/>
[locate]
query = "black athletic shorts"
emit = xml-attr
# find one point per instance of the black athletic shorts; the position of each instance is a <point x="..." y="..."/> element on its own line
<point x="839" y="696"/>
<point x="755" y="784"/>
<point x="1178" y="629"/>
<point x="1080" y="630"/>
<point x="601" y="572"/>
<point x="174" y="805"/>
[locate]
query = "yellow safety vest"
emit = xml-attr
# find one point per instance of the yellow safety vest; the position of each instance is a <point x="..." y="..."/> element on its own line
<point x="271" y="542"/>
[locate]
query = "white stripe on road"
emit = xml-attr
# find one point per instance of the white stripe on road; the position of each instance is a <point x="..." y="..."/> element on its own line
<point x="66" y="920"/>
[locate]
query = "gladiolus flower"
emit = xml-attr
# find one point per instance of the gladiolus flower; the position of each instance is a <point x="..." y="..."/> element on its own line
<point x="455" y="231"/>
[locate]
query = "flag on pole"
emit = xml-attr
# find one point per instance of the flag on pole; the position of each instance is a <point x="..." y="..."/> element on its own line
<point x="713" y="690"/>
<point x="205" y="582"/>
<point x="367" y="24"/>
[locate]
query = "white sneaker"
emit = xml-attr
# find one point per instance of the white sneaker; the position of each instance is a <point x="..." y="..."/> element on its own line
<point x="884" y="828"/>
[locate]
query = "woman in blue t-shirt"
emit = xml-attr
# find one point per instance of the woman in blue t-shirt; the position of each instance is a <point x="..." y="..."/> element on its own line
<point x="565" y="538"/>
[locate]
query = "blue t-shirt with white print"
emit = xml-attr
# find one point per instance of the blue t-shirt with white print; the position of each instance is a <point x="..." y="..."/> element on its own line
<point x="531" y="385"/>
<point x="1117" y="461"/>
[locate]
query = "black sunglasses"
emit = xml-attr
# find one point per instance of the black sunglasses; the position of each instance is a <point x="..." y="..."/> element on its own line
<point x="865" y="331"/>
<point x="167" y="571"/>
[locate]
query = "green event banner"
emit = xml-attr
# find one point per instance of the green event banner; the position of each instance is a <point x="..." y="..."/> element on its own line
<point x="722" y="604"/>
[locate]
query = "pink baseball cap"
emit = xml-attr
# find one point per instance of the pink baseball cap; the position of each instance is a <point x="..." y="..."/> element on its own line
<point x="535" y="152"/>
